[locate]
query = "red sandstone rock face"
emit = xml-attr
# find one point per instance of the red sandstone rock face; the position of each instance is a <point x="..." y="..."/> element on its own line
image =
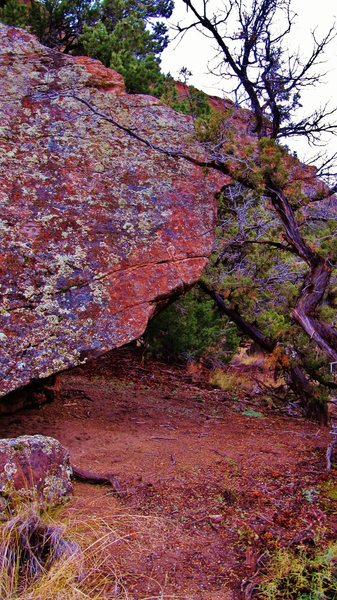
<point x="95" y="226"/>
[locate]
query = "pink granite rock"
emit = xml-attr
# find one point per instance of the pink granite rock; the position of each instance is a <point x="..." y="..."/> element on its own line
<point x="96" y="227"/>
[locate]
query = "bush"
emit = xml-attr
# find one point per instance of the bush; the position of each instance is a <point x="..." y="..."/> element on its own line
<point x="188" y="329"/>
<point x="301" y="574"/>
<point x="194" y="103"/>
<point x="15" y="13"/>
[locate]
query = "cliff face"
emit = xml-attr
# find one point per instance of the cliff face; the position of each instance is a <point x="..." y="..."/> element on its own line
<point x="96" y="226"/>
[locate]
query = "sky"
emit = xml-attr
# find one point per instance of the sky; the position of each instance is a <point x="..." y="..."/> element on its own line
<point x="194" y="52"/>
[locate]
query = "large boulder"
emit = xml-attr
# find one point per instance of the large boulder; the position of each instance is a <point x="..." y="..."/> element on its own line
<point x="33" y="469"/>
<point x="96" y="226"/>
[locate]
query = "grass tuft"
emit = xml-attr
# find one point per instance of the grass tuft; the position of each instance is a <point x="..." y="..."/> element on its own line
<point x="84" y="556"/>
<point x="230" y="381"/>
<point x="301" y="574"/>
<point x="29" y="546"/>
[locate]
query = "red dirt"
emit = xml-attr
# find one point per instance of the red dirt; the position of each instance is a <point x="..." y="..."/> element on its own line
<point x="208" y="488"/>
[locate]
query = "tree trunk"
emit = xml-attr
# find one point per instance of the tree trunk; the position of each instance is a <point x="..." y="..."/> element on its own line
<point x="315" y="284"/>
<point x="311" y="295"/>
<point x="295" y="376"/>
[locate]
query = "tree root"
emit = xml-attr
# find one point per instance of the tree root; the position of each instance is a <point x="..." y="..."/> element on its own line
<point x="95" y="478"/>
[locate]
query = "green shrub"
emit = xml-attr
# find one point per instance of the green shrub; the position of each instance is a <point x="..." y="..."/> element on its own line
<point x="195" y="103"/>
<point x="15" y="13"/>
<point x="187" y="329"/>
<point x="208" y="126"/>
<point x="301" y="574"/>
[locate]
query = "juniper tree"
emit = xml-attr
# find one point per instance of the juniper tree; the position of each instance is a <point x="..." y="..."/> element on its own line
<point x="253" y="59"/>
<point x="126" y="35"/>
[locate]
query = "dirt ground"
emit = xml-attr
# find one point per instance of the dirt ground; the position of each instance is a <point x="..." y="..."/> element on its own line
<point x="209" y="487"/>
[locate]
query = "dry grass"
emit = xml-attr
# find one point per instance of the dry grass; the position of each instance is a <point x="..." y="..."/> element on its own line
<point x="30" y="545"/>
<point x="230" y="381"/>
<point x="41" y="559"/>
<point x="253" y="359"/>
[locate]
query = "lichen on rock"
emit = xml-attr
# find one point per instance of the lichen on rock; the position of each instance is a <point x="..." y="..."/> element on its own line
<point x="95" y="226"/>
<point x="34" y="469"/>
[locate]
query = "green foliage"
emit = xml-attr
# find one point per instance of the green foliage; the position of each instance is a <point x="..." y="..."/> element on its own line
<point x="208" y="127"/>
<point x="272" y="164"/>
<point x="249" y="412"/>
<point x="59" y="23"/>
<point x="255" y="278"/>
<point x="186" y="329"/>
<point x="14" y="13"/>
<point x="274" y="322"/>
<point x="194" y="103"/>
<point x="328" y="496"/>
<point x="96" y="42"/>
<point x="232" y="338"/>
<point x="301" y="574"/>
<point x="260" y="278"/>
<point x="141" y="76"/>
<point x="122" y="40"/>
<point x="122" y="34"/>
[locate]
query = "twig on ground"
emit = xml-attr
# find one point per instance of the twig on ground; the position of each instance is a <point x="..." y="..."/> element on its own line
<point x="159" y="437"/>
<point x="301" y="434"/>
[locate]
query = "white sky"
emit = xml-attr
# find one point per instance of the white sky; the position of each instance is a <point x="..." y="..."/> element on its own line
<point x="195" y="51"/>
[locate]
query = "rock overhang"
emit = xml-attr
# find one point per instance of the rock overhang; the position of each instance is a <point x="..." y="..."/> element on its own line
<point x="95" y="225"/>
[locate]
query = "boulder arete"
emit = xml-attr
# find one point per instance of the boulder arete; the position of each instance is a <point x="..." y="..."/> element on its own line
<point x="96" y="226"/>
